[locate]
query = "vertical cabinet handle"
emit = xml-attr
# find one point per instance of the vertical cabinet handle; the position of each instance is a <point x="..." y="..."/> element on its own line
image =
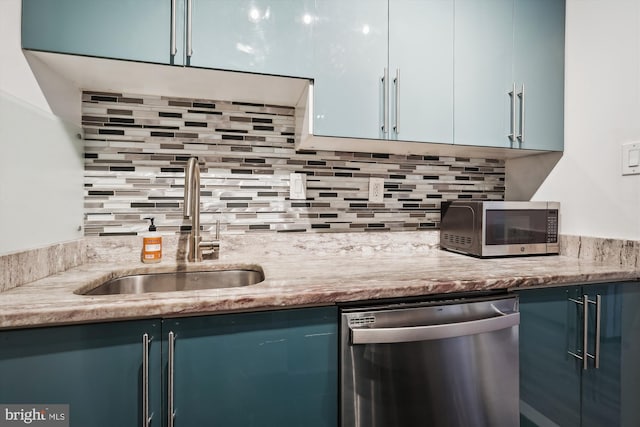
<point x="598" y="329"/>
<point x="174" y="47"/>
<point x="396" y="82"/>
<point x="585" y="356"/>
<point x="512" y="118"/>
<point x="584" y="302"/>
<point x="170" y="375"/>
<point x="189" y="28"/>
<point x="385" y="101"/>
<point x="146" y="419"/>
<point x="585" y="331"/>
<point x="521" y="134"/>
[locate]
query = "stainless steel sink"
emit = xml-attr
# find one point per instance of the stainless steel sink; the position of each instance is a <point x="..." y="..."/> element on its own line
<point x="180" y="281"/>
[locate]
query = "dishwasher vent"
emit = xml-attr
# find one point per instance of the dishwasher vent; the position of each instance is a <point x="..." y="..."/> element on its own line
<point x="362" y="321"/>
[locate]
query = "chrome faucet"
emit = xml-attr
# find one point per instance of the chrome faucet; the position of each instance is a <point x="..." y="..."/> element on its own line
<point x="192" y="210"/>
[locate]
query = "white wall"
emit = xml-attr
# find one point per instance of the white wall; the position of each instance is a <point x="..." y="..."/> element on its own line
<point x="41" y="165"/>
<point x="602" y="110"/>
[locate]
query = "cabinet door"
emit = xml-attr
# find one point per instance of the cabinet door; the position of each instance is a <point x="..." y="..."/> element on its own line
<point x="610" y="391"/>
<point x="549" y="376"/>
<point x="350" y="55"/>
<point x="275" y="368"/>
<point x="483" y="75"/>
<point x="96" y="369"/>
<point x="264" y="36"/>
<point x="421" y="50"/>
<point x="539" y="66"/>
<point x="124" y="29"/>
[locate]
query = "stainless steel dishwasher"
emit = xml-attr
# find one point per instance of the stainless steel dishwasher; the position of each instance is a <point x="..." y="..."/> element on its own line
<point x="445" y="363"/>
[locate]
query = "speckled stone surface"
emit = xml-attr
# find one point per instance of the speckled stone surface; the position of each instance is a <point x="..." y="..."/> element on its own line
<point x="304" y="270"/>
<point x="612" y="251"/>
<point x="26" y="266"/>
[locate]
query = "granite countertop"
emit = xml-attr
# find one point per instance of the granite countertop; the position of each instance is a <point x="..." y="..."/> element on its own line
<point x="330" y="273"/>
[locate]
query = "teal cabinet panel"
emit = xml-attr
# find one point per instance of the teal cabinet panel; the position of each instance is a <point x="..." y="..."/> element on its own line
<point x="265" y="36"/>
<point x="124" y="29"/>
<point x="539" y="66"/>
<point x="611" y="390"/>
<point x="276" y="368"/>
<point x="555" y="386"/>
<point x="549" y="377"/>
<point x="601" y="387"/>
<point x="96" y="369"/>
<point x="421" y="55"/>
<point x="350" y="56"/>
<point x="483" y="75"/>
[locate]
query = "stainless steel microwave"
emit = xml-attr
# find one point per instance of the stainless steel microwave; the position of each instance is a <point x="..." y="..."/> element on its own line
<point x="496" y="228"/>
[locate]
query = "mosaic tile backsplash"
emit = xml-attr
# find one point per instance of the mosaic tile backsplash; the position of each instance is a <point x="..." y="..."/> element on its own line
<point x="136" y="147"/>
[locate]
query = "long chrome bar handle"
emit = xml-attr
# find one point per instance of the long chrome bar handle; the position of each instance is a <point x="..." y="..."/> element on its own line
<point x="146" y="419"/>
<point x="385" y="101"/>
<point x="396" y="82"/>
<point x="189" y="29"/>
<point x="512" y="95"/>
<point x="170" y="377"/>
<point x="584" y="302"/>
<point x="521" y="134"/>
<point x="585" y="331"/>
<point x="432" y="332"/>
<point x="598" y="303"/>
<point x="174" y="46"/>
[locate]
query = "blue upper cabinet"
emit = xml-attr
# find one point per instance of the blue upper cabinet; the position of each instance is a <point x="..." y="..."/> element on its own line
<point x="276" y="368"/>
<point x="384" y="69"/>
<point x="468" y="72"/>
<point x="509" y="73"/>
<point x="264" y="36"/>
<point x="539" y="73"/>
<point x="269" y="36"/>
<point x="483" y="72"/>
<point x="421" y="70"/>
<point x="124" y="29"/>
<point x="350" y="58"/>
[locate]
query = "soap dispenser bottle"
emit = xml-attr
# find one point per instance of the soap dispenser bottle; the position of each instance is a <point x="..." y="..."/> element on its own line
<point x="151" y="245"/>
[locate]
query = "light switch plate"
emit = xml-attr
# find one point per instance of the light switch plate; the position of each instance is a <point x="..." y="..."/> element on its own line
<point x="376" y="190"/>
<point x="631" y="158"/>
<point x="297" y="186"/>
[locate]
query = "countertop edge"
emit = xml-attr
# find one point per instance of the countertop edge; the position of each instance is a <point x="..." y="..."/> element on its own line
<point x="196" y="303"/>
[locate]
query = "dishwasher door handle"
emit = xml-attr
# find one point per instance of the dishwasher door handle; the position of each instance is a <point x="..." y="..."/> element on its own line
<point x="432" y="332"/>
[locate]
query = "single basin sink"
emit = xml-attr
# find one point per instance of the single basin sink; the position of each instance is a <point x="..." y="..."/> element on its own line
<point x="180" y="281"/>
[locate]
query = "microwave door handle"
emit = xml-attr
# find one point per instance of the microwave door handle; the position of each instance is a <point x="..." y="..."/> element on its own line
<point x="432" y="332"/>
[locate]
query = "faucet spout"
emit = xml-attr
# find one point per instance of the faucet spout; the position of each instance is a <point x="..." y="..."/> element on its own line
<point x="192" y="210"/>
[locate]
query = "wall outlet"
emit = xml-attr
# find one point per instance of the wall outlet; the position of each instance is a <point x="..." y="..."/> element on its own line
<point x="297" y="186"/>
<point x="376" y="190"/>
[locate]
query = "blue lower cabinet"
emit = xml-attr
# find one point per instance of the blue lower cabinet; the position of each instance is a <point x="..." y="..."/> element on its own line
<point x="95" y="369"/>
<point x="275" y="368"/>
<point x="556" y="387"/>
<point x="272" y="368"/>
<point x="549" y="377"/>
